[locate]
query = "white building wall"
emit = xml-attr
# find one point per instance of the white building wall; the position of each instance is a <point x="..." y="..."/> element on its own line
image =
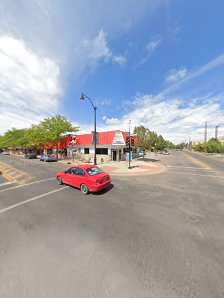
<point x="91" y="150"/>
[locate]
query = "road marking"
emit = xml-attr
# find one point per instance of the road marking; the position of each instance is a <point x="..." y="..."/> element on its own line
<point x="198" y="162"/>
<point x="31" y="200"/>
<point x="192" y="174"/>
<point x="195" y="168"/>
<point x="5" y="183"/>
<point x="26" y="184"/>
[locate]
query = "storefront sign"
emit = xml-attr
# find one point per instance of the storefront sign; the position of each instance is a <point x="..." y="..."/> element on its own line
<point x="118" y="138"/>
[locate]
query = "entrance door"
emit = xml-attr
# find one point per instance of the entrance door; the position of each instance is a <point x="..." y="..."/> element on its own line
<point x="114" y="155"/>
<point x="119" y="154"/>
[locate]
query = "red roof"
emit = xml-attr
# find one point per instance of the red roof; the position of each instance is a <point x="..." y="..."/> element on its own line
<point x="105" y="138"/>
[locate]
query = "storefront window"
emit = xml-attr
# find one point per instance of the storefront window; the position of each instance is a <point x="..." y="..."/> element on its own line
<point x="86" y="150"/>
<point x="102" y="151"/>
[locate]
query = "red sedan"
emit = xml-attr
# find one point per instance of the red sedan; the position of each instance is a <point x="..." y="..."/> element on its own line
<point x="85" y="177"/>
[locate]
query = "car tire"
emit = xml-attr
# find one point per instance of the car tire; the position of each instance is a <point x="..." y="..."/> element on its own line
<point x="60" y="182"/>
<point x="84" y="189"/>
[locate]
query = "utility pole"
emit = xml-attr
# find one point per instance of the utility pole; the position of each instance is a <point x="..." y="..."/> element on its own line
<point x="216" y="132"/>
<point x="205" y="137"/>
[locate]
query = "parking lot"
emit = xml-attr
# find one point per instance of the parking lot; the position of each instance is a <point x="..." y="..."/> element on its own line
<point x="145" y="236"/>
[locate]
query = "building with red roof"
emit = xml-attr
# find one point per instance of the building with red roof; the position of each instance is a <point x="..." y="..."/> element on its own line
<point x="110" y="145"/>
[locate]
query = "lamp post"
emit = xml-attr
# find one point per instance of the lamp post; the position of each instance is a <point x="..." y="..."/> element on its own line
<point x="94" y="107"/>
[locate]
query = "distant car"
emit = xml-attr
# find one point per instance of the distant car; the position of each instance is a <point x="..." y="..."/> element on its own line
<point x="5" y="153"/>
<point x="142" y="152"/>
<point x="166" y="152"/>
<point x="85" y="177"/>
<point x="30" y="155"/>
<point x="48" y="158"/>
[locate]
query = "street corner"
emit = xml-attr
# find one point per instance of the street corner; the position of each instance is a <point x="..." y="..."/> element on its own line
<point x="137" y="169"/>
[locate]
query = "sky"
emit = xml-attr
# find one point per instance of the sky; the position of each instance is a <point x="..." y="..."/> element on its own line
<point x="158" y="63"/>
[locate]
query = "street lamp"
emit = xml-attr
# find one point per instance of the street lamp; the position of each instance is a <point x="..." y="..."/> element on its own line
<point x="94" y="107"/>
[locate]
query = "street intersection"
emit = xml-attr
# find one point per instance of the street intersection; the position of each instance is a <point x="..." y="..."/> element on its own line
<point x="146" y="236"/>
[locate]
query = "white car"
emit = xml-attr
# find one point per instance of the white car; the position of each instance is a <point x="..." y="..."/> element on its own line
<point x="5" y="153"/>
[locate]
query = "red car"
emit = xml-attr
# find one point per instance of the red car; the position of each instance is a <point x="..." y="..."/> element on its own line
<point x="85" y="177"/>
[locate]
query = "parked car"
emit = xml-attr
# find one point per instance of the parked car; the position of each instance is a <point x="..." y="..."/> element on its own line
<point x="30" y="155"/>
<point x="142" y="152"/>
<point x="5" y="153"/>
<point x="166" y="152"/>
<point x="85" y="177"/>
<point x="51" y="157"/>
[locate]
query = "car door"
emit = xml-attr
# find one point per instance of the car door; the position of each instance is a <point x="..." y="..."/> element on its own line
<point x="68" y="177"/>
<point x="76" y="177"/>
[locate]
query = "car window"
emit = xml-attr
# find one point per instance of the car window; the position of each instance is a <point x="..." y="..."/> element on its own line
<point x="94" y="171"/>
<point x="78" y="171"/>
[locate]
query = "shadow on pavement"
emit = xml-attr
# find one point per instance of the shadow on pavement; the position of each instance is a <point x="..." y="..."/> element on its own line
<point x="103" y="191"/>
<point x="149" y="159"/>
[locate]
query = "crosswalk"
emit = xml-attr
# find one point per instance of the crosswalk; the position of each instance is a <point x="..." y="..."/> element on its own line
<point x="14" y="175"/>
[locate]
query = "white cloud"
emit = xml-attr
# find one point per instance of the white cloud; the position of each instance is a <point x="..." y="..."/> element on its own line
<point x="152" y="45"/>
<point x="29" y="86"/>
<point x="122" y="60"/>
<point x="98" y="48"/>
<point x="176" y="75"/>
<point x="170" y="118"/>
<point x="215" y="63"/>
<point x="111" y="121"/>
<point x="45" y="43"/>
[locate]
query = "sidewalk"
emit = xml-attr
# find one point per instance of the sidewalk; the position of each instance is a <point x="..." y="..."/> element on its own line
<point x="114" y="168"/>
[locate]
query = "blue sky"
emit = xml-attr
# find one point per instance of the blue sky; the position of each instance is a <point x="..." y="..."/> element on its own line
<point x="159" y="63"/>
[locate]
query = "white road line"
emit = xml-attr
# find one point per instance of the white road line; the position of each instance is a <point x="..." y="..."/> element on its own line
<point x="5" y="183"/>
<point x="191" y="174"/>
<point x="26" y="184"/>
<point x="196" y="168"/>
<point x="31" y="200"/>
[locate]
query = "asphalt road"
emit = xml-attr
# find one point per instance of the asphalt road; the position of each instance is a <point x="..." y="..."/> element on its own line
<point x="149" y="236"/>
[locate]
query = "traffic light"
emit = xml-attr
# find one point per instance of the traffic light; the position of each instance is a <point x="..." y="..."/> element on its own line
<point x="127" y="140"/>
<point x="132" y="141"/>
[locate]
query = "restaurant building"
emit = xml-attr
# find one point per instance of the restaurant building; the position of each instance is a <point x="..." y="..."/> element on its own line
<point x="110" y="145"/>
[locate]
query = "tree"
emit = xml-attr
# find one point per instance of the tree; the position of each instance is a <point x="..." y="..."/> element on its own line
<point x="160" y="143"/>
<point x="148" y="139"/>
<point x="35" y="136"/>
<point x="170" y="145"/>
<point x="180" y="146"/>
<point x="213" y="146"/>
<point x="14" y="138"/>
<point x="141" y="136"/>
<point x="50" y="130"/>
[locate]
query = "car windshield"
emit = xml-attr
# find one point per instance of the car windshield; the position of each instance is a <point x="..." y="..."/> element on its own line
<point x="94" y="171"/>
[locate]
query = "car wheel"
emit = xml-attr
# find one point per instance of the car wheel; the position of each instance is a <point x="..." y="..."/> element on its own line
<point x="84" y="189"/>
<point x="60" y="182"/>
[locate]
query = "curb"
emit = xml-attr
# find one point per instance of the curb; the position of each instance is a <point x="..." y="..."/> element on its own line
<point x="145" y="173"/>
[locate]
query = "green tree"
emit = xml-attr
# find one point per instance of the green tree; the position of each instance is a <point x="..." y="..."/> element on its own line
<point x="180" y="146"/>
<point x="148" y="139"/>
<point x="14" y="138"/>
<point x="170" y="145"/>
<point x="50" y="129"/>
<point x="141" y="136"/>
<point x="213" y="146"/>
<point x="160" y="143"/>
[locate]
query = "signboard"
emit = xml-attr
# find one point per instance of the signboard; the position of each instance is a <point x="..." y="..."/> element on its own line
<point x="127" y="156"/>
<point x="118" y="138"/>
